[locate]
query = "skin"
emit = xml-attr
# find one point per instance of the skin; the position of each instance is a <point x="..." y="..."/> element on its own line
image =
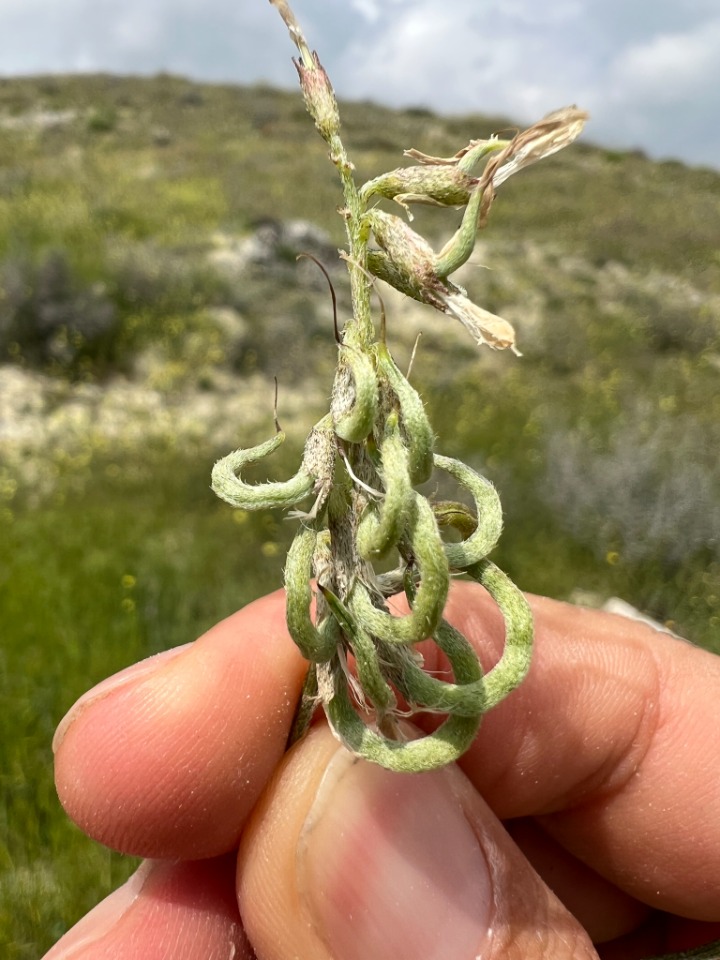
<point x="600" y="772"/>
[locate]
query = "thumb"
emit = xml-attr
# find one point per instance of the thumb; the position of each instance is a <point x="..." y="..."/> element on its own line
<point x="343" y="860"/>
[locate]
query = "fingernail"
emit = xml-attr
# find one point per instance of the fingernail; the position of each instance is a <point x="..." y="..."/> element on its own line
<point x="101" y="918"/>
<point x="106" y="687"/>
<point x="389" y="866"/>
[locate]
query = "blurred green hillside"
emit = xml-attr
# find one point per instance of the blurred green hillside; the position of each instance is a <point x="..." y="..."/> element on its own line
<point x="149" y="294"/>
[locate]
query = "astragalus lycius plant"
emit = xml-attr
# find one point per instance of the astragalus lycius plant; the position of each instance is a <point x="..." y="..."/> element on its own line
<point x="364" y="460"/>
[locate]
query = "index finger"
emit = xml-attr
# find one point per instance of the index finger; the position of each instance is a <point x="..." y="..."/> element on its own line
<point x="165" y="760"/>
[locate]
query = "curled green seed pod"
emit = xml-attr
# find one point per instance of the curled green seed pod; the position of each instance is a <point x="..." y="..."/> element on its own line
<point x="445" y="745"/>
<point x="355" y="395"/>
<point x="383" y="524"/>
<point x="457" y="250"/>
<point x="376" y="691"/>
<point x="465" y="700"/>
<point x="316" y="643"/>
<point x="428" y="604"/>
<point x="418" y="433"/>
<point x="428" y="693"/>
<point x="478" y="695"/>
<point x="488" y="510"/>
<point x="512" y="667"/>
<point x="228" y="485"/>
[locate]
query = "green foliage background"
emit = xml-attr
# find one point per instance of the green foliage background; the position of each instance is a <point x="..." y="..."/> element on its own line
<point x="602" y="440"/>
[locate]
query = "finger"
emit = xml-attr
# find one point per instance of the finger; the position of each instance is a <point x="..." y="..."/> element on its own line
<point x="605" y="911"/>
<point x="360" y="862"/>
<point x="183" y="911"/>
<point x="624" y="928"/>
<point x="169" y="759"/>
<point x="613" y="740"/>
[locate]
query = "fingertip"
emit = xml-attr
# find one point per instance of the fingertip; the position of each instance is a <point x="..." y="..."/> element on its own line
<point x="169" y="763"/>
<point x="183" y="910"/>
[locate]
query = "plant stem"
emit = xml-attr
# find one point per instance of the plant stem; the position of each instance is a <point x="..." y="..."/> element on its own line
<point x="364" y="460"/>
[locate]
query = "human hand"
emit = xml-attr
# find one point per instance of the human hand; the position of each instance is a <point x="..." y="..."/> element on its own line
<point x="603" y="766"/>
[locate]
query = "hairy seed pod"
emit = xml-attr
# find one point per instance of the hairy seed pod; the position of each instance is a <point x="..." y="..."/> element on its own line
<point x="354" y="397"/>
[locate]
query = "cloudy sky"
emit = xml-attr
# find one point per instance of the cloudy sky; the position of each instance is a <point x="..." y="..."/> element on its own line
<point x="648" y="70"/>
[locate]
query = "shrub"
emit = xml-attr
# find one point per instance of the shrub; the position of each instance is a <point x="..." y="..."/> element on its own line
<point x="652" y="492"/>
<point x="48" y="318"/>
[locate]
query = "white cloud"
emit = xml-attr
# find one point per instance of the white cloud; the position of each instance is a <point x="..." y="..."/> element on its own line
<point x="369" y="9"/>
<point x="372" y="10"/>
<point x="648" y="70"/>
<point x="136" y="29"/>
<point x="460" y="56"/>
<point x="672" y="67"/>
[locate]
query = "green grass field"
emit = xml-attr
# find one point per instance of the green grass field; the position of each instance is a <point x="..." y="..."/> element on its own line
<point x="120" y="564"/>
<point x="90" y="583"/>
<point x="602" y="440"/>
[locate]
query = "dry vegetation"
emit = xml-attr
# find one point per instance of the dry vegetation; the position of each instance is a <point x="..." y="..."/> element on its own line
<point x="149" y="293"/>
